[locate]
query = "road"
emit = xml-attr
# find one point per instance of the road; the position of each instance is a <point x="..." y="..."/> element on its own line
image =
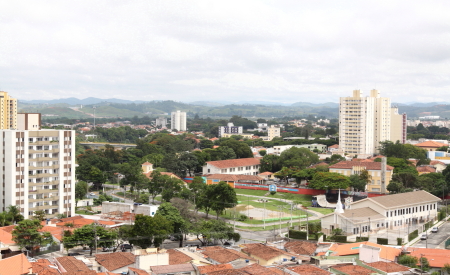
<point x="435" y="239"/>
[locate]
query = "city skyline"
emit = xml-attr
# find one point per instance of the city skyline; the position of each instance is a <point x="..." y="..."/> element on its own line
<point x="212" y="51"/>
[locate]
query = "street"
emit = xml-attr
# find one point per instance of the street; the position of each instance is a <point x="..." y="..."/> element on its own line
<point x="435" y="239"/>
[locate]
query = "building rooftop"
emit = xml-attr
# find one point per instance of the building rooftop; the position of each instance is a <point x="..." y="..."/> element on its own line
<point x="301" y="247"/>
<point x="362" y="213"/>
<point x="177" y="257"/>
<point x="307" y="269"/>
<point x="71" y="264"/>
<point x="386" y="252"/>
<point x="164" y="269"/>
<point x="206" y="269"/>
<point x="388" y="266"/>
<point x="403" y="199"/>
<point x="351" y="269"/>
<point x="224" y="255"/>
<point x="425" y="169"/>
<point x="262" y="251"/>
<point x="234" y="162"/>
<point x="436" y="257"/>
<point x="367" y="164"/>
<point x="228" y="177"/>
<point x="430" y="144"/>
<point x="43" y="267"/>
<point x="113" y="261"/>
<point x="15" y="265"/>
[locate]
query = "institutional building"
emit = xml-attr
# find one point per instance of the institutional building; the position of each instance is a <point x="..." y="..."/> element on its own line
<point x="178" y="121"/>
<point x="8" y="111"/>
<point x="244" y="166"/>
<point x="230" y="129"/>
<point x="364" y="122"/>
<point x="37" y="171"/>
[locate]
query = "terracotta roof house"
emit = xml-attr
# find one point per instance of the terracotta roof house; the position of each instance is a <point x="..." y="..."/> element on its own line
<point x="207" y="269"/>
<point x="439" y="165"/>
<point x="117" y="262"/>
<point x="136" y="271"/>
<point x="244" y="166"/>
<point x="173" y="269"/>
<point x="71" y="264"/>
<point x="307" y="269"/>
<point x="256" y="269"/>
<point x="266" y="255"/>
<point x="388" y="267"/>
<point x="384" y="212"/>
<point x="15" y="265"/>
<point x="44" y="267"/>
<point x="386" y="252"/>
<point x="301" y="247"/>
<point x="425" y="169"/>
<point x="348" y="168"/>
<point x="351" y="269"/>
<point x="436" y="257"/>
<point x="177" y="257"/>
<point x="430" y="145"/>
<point x="222" y="255"/>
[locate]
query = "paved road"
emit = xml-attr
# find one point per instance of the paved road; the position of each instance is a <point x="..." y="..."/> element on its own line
<point x="435" y="239"/>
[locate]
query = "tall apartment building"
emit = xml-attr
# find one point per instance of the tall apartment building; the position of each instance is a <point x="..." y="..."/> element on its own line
<point x="8" y="111"/>
<point x="178" y="121"/>
<point x="37" y="171"/>
<point x="364" y="122"/>
<point x="230" y="129"/>
<point x="161" y="121"/>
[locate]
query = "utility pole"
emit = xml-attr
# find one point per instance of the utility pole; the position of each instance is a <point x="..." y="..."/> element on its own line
<point x="307" y="225"/>
<point x="95" y="238"/>
<point x="292" y="206"/>
<point x="264" y="213"/>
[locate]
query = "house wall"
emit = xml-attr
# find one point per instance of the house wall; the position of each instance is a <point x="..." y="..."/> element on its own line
<point x="239" y="170"/>
<point x="145" y="261"/>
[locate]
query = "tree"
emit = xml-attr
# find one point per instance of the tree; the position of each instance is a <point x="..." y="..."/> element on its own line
<point x="223" y="196"/>
<point x="408" y="260"/>
<point x="241" y="149"/>
<point x="209" y="231"/>
<point x="14" y="213"/>
<point x="92" y="236"/>
<point x="329" y="180"/>
<point x="81" y="189"/>
<point x="359" y="181"/>
<point x="171" y="188"/>
<point x="156" y="184"/>
<point x="298" y="157"/>
<point x="395" y="187"/>
<point x="270" y="163"/>
<point x="197" y="186"/>
<point x="314" y="228"/>
<point x="285" y="173"/>
<point x="408" y="180"/>
<point x="170" y="213"/>
<point x="26" y="235"/>
<point x="148" y="231"/>
<point x="39" y="215"/>
<point x="336" y="158"/>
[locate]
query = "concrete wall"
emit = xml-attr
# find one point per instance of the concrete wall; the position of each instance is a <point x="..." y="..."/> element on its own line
<point x="108" y="207"/>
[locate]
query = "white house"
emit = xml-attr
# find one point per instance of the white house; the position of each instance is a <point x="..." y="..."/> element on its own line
<point x="244" y="166"/>
<point x="390" y="211"/>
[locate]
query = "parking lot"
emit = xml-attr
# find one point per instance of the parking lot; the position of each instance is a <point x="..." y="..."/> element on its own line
<point x="435" y="239"/>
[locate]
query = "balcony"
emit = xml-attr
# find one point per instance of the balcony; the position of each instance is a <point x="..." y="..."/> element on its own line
<point x="43" y="207"/>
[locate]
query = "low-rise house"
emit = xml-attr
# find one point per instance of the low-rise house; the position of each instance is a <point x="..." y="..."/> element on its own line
<point x="43" y="266"/>
<point x="425" y="169"/>
<point x="220" y="255"/>
<point x="308" y="270"/>
<point x="185" y="269"/>
<point x="348" y="168"/>
<point x="208" y="269"/>
<point x="116" y="262"/>
<point x="386" y="253"/>
<point x="231" y="179"/>
<point x="430" y="145"/>
<point x="389" y="267"/>
<point x="351" y="269"/>
<point x="178" y="257"/>
<point x="437" y="258"/>
<point x="266" y="255"/>
<point x="71" y="265"/>
<point x="438" y="165"/>
<point x="136" y="271"/>
<point x="301" y="247"/>
<point x="244" y="166"/>
<point x="390" y="211"/>
<point x="15" y="265"/>
<point x="267" y="175"/>
<point x="256" y="269"/>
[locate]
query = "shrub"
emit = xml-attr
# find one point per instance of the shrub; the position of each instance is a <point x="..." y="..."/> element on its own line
<point x="362" y="239"/>
<point x="399" y="241"/>
<point x="273" y="192"/>
<point x="413" y="235"/>
<point x="242" y="218"/>
<point x="339" y="239"/>
<point x="382" y="241"/>
<point x="294" y="234"/>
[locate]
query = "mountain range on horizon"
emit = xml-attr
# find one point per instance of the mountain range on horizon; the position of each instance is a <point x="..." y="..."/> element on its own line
<point x="72" y="101"/>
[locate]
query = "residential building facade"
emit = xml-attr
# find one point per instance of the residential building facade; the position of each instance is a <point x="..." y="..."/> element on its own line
<point x="38" y="171"/>
<point x="244" y="166"/>
<point x="178" y="121"/>
<point x="364" y="122"/>
<point x="277" y="150"/>
<point x="8" y="111"/>
<point x="230" y="129"/>
<point x="272" y="132"/>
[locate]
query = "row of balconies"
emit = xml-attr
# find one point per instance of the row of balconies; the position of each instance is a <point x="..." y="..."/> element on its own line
<point x="43" y="142"/>
<point x="33" y="151"/>
<point x="42" y="191"/>
<point x="53" y="198"/>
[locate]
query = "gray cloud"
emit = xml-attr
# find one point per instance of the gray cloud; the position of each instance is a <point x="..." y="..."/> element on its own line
<point x="225" y="50"/>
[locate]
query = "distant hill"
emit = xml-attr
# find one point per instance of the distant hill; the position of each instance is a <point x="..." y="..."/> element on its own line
<point x="75" y="101"/>
<point x="327" y="104"/>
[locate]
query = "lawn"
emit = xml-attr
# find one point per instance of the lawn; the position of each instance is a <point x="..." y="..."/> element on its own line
<point x="324" y="211"/>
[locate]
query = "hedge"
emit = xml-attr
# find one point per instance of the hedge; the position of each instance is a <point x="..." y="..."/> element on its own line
<point x="340" y="239"/>
<point x="294" y="234"/>
<point x="362" y="239"/>
<point x="382" y="241"/>
<point x="413" y="235"/>
<point x="399" y="241"/>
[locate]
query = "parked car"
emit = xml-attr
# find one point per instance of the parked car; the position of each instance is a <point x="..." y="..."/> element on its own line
<point x="74" y="254"/>
<point x="434" y="230"/>
<point x="423" y="237"/>
<point x="126" y="246"/>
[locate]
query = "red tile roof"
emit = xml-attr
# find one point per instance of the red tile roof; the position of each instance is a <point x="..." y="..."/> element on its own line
<point x="388" y="266"/>
<point x="351" y="269"/>
<point x="389" y="253"/>
<point x="224" y="255"/>
<point x="426" y="169"/>
<point x="177" y="257"/>
<point x="42" y="267"/>
<point x="6" y="237"/>
<point x="146" y="163"/>
<point x="262" y="251"/>
<point x="306" y="269"/>
<point x="228" y="177"/>
<point x="113" y="261"/>
<point x="71" y="264"/>
<point x="15" y="265"/>
<point x="234" y="162"/>
<point x="256" y="269"/>
<point x="436" y="257"/>
<point x="430" y="144"/>
<point x="206" y="269"/>
<point x="367" y="165"/>
<point x="436" y="162"/>
<point x="138" y="271"/>
<point x="301" y="247"/>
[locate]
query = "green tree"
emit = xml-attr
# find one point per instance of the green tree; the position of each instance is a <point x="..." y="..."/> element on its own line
<point x="81" y="189"/>
<point x="171" y="213"/>
<point x="197" y="186"/>
<point x="26" y="235"/>
<point x="148" y="231"/>
<point x="222" y="197"/>
<point x="270" y="163"/>
<point x="39" y="215"/>
<point x="329" y="180"/>
<point x="209" y="231"/>
<point x="240" y="148"/>
<point x="395" y="187"/>
<point x="90" y="235"/>
<point x="14" y="213"/>
<point x="298" y="157"/>
<point x="262" y="152"/>
<point x="172" y="188"/>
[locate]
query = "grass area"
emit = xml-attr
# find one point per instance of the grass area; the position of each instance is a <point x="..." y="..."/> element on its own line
<point x="272" y="227"/>
<point x="84" y="212"/>
<point x="324" y="211"/>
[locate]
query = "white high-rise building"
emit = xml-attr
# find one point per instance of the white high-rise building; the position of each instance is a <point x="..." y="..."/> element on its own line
<point x="364" y="122"/>
<point x="178" y="121"/>
<point x="38" y="171"/>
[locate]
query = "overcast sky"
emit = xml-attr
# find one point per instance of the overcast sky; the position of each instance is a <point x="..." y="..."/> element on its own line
<point x="279" y="51"/>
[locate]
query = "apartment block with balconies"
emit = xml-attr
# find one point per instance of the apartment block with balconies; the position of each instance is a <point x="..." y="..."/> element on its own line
<point x="38" y="171"/>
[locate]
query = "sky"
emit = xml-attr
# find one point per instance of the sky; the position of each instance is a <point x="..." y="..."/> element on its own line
<point x="273" y="51"/>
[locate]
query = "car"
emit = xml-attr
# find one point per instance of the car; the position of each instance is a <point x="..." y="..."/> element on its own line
<point x="137" y="203"/>
<point x="434" y="230"/>
<point x="423" y="237"/>
<point x="126" y="246"/>
<point x="92" y="194"/>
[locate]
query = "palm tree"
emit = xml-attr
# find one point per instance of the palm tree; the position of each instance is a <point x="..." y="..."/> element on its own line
<point x="14" y="213"/>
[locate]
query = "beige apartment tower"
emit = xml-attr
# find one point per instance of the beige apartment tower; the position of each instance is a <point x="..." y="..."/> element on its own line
<point x="364" y="122"/>
<point x="8" y="112"/>
<point x="38" y="171"/>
